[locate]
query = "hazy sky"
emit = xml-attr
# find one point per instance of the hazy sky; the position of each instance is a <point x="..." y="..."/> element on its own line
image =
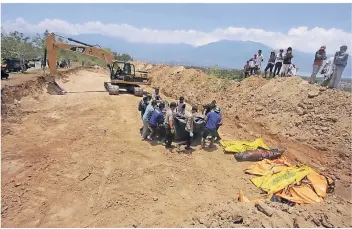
<point x="303" y="26"/>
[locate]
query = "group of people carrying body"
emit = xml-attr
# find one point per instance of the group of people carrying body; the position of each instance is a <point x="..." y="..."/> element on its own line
<point x="159" y="118"/>
<point x="282" y="65"/>
<point x="333" y="67"/>
<point x="280" y="62"/>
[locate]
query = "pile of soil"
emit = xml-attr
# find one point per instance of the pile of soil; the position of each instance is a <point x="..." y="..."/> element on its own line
<point x="286" y="109"/>
<point x="233" y="214"/>
<point x="11" y="95"/>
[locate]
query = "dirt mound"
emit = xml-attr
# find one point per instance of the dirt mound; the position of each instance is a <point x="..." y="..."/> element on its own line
<point x="311" y="122"/>
<point x="233" y="214"/>
<point x="11" y="95"/>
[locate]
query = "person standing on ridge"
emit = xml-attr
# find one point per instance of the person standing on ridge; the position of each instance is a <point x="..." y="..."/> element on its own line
<point x="287" y="62"/>
<point x="340" y="61"/>
<point x="246" y="69"/>
<point x="328" y="71"/>
<point x="255" y="60"/>
<point x="258" y="62"/>
<point x="278" y="62"/>
<point x="270" y="64"/>
<point x="251" y="66"/>
<point x="320" y="56"/>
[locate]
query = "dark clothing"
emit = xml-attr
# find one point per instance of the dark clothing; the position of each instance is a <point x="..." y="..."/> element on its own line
<point x="278" y="66"/>
<point x="212" y="132"/>
<point x="169" y="136"/>
<point x="246" y="70"/>
<point x="269" y="66"/>
<point x="153" y="129"/>
<point x="252" y="71"/>
<point x="208" y="108"/>
<point x="272" y="58"/>
<point x="341" y="59"/>
<point x="187" y="141"/>
<point x="142" y="107"/>
<point x="319" y="57"/>
<point x="213" y="120"/>
<point x="287" y="58"/>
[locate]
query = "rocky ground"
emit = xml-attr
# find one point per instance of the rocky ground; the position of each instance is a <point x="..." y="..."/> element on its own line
<point x="77" y="160"/>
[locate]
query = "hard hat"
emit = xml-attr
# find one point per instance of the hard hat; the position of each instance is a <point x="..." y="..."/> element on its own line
<point x="217" y="110"/>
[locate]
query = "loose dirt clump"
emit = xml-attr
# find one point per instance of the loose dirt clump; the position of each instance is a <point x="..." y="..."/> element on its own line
<point x="232" y="214"/>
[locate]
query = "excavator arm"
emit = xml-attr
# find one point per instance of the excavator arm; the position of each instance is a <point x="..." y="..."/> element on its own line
<point x="124" y="79"/>
<point x="52" y="49"/>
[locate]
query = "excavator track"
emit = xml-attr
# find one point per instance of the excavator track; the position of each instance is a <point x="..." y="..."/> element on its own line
<point x="111" y="88"/>
<point x="114" y="89"/>
<point x="138" y="91"/>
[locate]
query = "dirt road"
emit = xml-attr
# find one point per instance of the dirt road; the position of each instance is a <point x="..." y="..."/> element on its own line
<point x="78" y="161"/>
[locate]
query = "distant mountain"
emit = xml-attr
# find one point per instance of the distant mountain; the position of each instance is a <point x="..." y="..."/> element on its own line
<point x="225" y="53"/>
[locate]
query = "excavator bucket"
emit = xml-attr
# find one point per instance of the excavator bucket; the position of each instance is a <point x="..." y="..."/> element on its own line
<point x="54" y="88"/>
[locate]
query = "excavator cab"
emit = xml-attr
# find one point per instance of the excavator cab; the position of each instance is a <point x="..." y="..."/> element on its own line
<point x="122" y="71"/>
<point x="123" y="76"/>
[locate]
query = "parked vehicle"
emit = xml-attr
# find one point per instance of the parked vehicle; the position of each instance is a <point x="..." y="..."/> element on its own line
<point x="16" y="65"/>
<point x="4" y="74"/>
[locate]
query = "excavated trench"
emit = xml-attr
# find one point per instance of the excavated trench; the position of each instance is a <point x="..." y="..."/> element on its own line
<point x="76" y="160"/>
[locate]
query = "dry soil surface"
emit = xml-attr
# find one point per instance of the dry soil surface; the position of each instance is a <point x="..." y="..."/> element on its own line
<point x="77" y="161"/>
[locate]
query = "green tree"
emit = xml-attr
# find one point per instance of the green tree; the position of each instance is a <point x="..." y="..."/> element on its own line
<point x="123" y="57"/>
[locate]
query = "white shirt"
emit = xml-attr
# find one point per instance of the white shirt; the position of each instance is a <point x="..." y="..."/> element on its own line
<point x="259" y="60"/>
<point x="279" y="58"/>
<point x="179" y="108"/>
<point x="251" y="64"/>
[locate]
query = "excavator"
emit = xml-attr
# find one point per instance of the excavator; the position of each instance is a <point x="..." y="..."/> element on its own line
<point x="122" y="74"/>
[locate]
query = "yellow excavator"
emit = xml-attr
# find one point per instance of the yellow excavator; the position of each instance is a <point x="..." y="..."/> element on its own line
<point x="122" y="74"/>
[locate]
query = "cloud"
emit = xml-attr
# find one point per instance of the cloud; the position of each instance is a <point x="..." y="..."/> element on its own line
<point x="301" y="38"/>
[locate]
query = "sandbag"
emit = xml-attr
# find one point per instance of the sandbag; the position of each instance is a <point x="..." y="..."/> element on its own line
<point x="258" y="155"/>
<point x="242" y="146"/>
